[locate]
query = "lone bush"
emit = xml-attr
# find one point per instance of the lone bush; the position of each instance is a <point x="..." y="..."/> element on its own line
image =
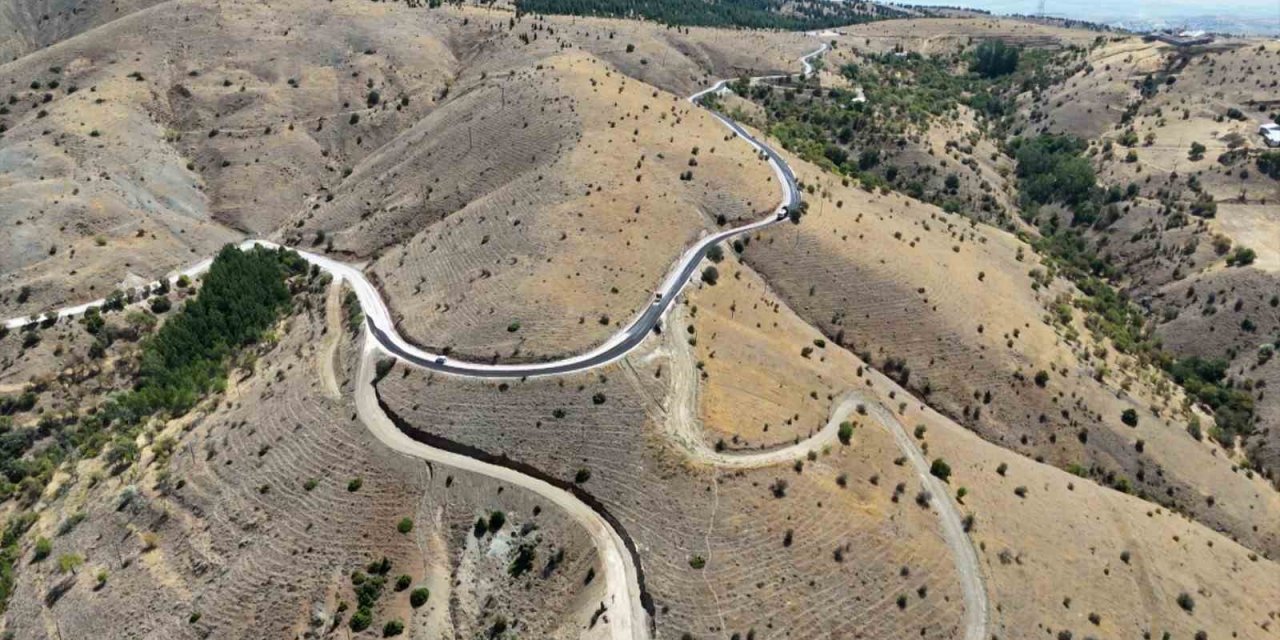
<point x="1129" y="417"/>
<point x="1185" y="601"/>
<point x="940" y="469"/>
<point x="419" y="597"/>
<point x="710" y="275"/>
<point x="846" y="432"/>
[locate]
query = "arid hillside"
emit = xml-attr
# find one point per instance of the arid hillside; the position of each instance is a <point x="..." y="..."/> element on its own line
<point x="368" y="126"/>
<point x="252" y="517"/>
<point x="1058" y="553"/>
<point x="1002" y="374"/>
<point x="964" y="315"/>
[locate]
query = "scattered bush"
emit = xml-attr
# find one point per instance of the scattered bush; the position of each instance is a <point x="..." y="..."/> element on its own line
<point x="1185" y="601"/>
<point x="43" y="548"/>
<point x="710" y="275"/>
<point x="846" y="432"/>
<point x="361" y="619"/>
<point x="940" y="469"/>
<point x="1242" y="256"/>
<point x="1129" y="417"/>
<point x="419" y="597"/>
<point x="496" y="520"/>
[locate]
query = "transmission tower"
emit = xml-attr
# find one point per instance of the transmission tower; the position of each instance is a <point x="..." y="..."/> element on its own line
<point x="1040" y="9"/>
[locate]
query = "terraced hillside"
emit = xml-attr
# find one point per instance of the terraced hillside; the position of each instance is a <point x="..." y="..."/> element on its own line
<point x="1178" y="129"/>
<point x="723" y="552"/>
<point x="113" y="149"/>
<point x="250" y="518"/>
<point x="957" y="312"/>
<point x="890" y="419"/>
<point x="1053" y="546"/>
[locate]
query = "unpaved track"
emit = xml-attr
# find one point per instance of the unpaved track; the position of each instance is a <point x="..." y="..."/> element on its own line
<point x="680" y="417"/>
<point x="680" y="413"/>
<point x="966" y="559"/>
<point x="329" y="349"/>
<point x="627" y="617"/>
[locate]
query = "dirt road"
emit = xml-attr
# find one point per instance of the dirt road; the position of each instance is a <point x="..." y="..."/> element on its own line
<point x="626" y="615"/>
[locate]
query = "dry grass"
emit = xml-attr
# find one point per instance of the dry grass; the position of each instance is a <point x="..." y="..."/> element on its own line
<point x="894" y="279"/>
<point x="240" y="538"/>
<point x="676" y="510"/>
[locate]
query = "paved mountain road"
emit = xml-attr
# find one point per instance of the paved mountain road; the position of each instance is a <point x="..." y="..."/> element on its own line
<point x="623" y="593"/>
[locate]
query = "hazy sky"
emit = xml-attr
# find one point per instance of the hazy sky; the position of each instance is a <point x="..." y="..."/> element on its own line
<point x="1170" y="10"/>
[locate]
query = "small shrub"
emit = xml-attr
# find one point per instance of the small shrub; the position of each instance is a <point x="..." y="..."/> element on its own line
<point x="496" y="520"/>
<point x="43" y="548"/>
<point x="846" y="432"/>
<point x="405" y="525"/>
<point x="1129" y="417"/>
<point x="419" y="597"/>
<point x="940" y="469"/>
<point x="711" y="275"/>
<point x="355" y="485"/>
<point x="69" y="562"/>
<point x="361" y="619"/>
<point x="1185" y="601"/>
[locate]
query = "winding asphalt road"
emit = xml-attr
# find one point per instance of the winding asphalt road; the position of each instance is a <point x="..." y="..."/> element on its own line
<point x="622" y="584"/>
<point x="383" y="328"/>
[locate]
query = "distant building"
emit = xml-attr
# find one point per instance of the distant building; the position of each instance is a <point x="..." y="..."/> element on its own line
<point x="1270" y="134"/>
<point x="1183" y="38"/>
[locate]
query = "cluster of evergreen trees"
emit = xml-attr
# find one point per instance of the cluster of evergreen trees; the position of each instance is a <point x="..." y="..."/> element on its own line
<point x="243" y="295"/>
<point x="1052" y="169"/>
<point x="754" y="14"/>
<point x="994" y="58"/>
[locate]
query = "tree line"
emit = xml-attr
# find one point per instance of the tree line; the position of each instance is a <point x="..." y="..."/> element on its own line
<point x="751" y="14"/>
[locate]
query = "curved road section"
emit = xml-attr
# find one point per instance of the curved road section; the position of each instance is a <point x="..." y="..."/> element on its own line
<point x="383" y="328"/>
<point x="628" y="621"/>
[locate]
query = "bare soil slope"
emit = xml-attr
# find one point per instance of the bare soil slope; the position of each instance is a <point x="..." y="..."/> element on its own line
<point x="252" y="518"/>
<point x="952" y="310"/>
